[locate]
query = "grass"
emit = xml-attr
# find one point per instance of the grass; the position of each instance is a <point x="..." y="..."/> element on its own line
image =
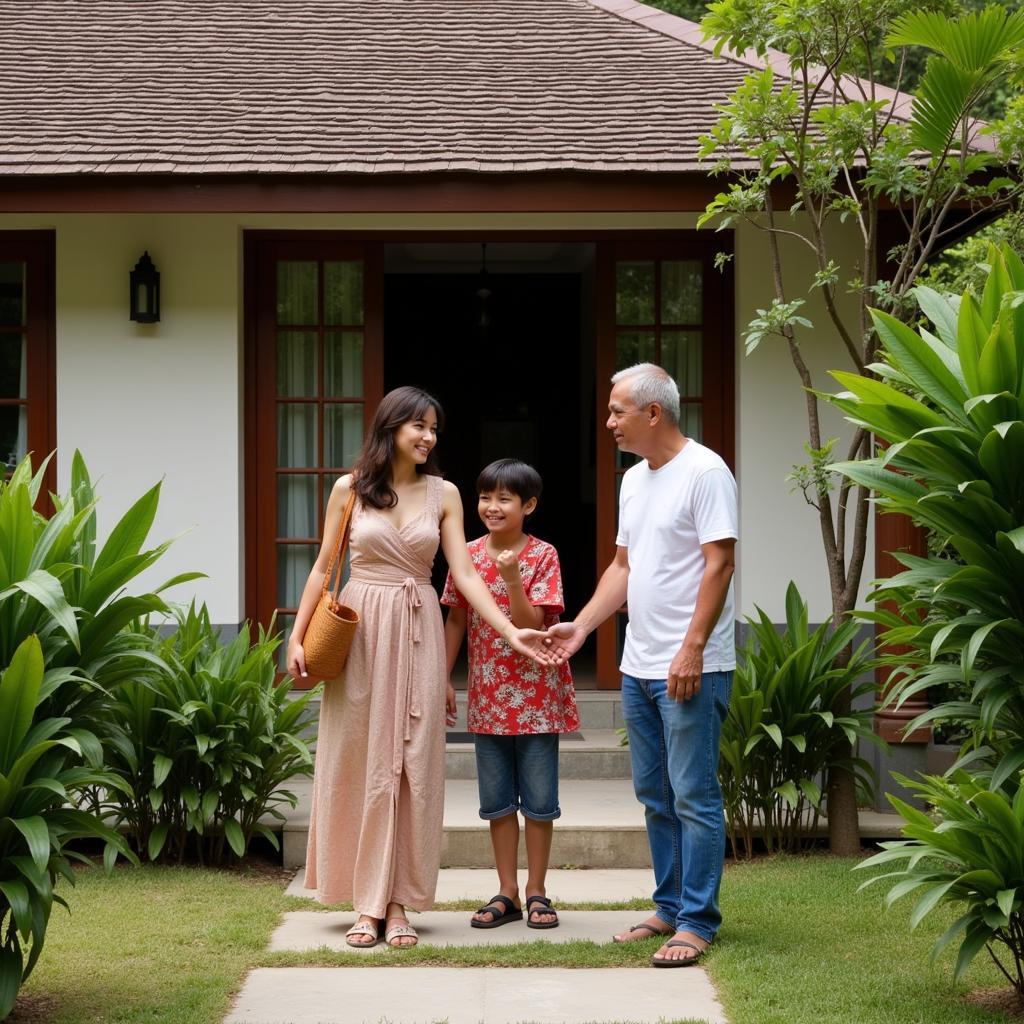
<point x="799" y="945"/>
<point x="149" y="945"/>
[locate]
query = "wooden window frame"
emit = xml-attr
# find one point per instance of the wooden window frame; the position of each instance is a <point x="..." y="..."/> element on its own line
<point x="37" y="249"/>
<point x="718" y="374"/>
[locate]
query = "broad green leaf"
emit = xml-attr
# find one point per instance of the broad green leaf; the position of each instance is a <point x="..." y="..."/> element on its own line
<point x="19" y="691"/>
<point x="17" y="896"/>
<point x="234" y="836"/>
<point x="37" y="836"/>
<point x="130" y="533"/>
<point x="157" y="839"/>
<point x="162" y="766"/>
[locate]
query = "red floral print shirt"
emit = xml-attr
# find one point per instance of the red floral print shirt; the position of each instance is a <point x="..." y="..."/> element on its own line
<point x="509" y="694"/>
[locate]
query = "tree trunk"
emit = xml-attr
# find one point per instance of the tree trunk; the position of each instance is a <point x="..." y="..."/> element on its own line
<point x="843" y="826"/>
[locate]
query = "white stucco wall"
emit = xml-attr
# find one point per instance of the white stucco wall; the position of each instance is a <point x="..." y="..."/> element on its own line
<point x="165" y="401"/>
<point x="780" y="532"/>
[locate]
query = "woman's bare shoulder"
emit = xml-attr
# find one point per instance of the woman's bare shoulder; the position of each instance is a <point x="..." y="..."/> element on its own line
<point x="342" y="487"/>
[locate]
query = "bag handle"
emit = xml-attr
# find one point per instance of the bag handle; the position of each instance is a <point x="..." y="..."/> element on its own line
<point x="340" y="544"/>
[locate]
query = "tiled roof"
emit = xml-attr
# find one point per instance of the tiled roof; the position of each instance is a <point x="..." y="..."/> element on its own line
<point x="352" y="86"/>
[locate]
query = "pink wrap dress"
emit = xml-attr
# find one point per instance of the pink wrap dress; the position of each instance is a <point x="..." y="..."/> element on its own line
<point x="378" y="789"/>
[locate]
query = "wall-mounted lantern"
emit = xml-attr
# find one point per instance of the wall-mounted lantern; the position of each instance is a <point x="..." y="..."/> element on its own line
<point x="145" y="291"/>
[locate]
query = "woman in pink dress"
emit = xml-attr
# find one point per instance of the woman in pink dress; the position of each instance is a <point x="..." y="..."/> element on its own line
<point x="378" y="789"/>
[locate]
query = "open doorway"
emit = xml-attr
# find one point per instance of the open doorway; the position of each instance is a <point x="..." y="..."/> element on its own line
<point x="504" y="335"/>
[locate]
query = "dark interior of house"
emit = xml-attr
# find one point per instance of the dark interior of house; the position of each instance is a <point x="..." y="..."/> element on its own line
<point x="509" y="354"/>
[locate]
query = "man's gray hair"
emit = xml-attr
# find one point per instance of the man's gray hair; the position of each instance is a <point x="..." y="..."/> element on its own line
<point x="651" y="384"/>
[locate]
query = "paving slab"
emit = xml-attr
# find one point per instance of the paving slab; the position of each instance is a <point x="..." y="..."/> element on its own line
<point x="304" y="930"/>
<point x="592" y="885"/>
<point x="544" y="995"/>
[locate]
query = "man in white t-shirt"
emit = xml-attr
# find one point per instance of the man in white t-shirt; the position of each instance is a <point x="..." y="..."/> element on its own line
<point x="673" y="565"/>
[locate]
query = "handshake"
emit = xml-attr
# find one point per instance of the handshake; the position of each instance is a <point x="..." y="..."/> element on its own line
<point x="551" y="646"/>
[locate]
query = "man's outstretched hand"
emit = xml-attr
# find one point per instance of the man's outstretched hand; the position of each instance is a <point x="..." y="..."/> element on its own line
<point x="531" y="642"/>
<point x="563" y="640"/>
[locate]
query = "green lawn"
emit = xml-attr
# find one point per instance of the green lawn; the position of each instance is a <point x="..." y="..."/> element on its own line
<point x="171" y="945"/>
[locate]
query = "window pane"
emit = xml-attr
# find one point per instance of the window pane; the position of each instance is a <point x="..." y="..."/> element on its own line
<point x="283" y="623"/>
<point x="296" y="292"/>
<point x="343" y="434"/>
<point x="681" y="292"/>
<point x="692" y="416"/>
<point x="296" y="435"/>
<point x="294" y="562"/>
<point x="343" y="293"/>
<point x="296" y="506"/>
<point x="343" y="364"/>
<point x="625" y="460"/>
<point x="13" y="366"/>
<point x="13" y="434"/>
<point x="296" y="364"/>
<point x="634" y="293"/>
<point x="12" y="292"/>
<point x="632" y="347"/>
<point x="681" y="356"/>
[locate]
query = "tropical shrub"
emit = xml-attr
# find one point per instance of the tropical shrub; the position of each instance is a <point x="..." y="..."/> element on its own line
<point x="204" y="746"/>
<point x="950" y="404"/>
<point x="969" y="854"/>
<point x="781" y="735"/>
<point x="55" y="584"/>
<point x="44" y="767"/>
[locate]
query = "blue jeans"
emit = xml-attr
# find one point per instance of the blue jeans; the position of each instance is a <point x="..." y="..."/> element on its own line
<point x="673" y="747"/>
<point x="517" y="773"/>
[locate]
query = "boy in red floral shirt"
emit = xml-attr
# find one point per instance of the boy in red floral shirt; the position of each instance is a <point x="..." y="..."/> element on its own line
<point x="517" y="707"/>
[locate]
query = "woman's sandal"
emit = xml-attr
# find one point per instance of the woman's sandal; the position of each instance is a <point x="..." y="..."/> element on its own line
<point x="544" y="908"/>
<point x="401" y="930"/>
<point x="502" y="911"/>
<point x="363" y="928"/>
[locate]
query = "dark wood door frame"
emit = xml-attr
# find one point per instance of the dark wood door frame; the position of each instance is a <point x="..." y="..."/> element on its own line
<point x="719" y="370"/>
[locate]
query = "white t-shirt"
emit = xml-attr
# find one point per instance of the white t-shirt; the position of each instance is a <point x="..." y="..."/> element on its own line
<point x="664" y="516"/>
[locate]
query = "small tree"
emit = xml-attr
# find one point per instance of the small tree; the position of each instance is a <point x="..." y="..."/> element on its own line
<point x="816" y="138"/>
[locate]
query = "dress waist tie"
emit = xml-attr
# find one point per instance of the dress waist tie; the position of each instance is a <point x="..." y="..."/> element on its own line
<point x="413" y="603"/>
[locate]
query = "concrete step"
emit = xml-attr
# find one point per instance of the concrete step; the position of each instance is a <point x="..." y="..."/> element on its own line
<point x="602" y="826"/>
<point x="589" y="754"/>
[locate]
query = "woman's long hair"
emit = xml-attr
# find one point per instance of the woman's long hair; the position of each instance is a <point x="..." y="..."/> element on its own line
<point x="372" y="470"/>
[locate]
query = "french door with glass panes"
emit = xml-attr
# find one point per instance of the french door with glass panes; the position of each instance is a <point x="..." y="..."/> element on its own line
<point x="27" y="378"/>
<point x="664" y="302"/>
<point x="314" y="378"/>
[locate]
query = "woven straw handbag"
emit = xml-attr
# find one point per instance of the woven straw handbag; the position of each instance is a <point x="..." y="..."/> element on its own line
<point x="330" y="630"/>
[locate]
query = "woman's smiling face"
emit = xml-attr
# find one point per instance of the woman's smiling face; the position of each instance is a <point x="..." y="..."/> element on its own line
<point x="415" y="439"/>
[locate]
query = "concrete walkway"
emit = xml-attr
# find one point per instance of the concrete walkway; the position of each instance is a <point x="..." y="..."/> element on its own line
<point x="471" y="995"/>
<point x="302" y="931"/>
<point x="398" y="994"/>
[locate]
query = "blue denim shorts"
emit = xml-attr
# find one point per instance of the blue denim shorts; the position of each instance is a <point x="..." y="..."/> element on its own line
<point x="517" y="773"/>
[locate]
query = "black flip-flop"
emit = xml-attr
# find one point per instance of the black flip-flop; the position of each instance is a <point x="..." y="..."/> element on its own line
<point x="548" y="909"/>
<point x="660" y="961"/>
<point x="502" y="911"/>
<point x="643" y="925"/>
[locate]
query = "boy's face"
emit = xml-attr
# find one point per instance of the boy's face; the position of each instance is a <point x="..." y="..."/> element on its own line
<point x="501" y="511"/>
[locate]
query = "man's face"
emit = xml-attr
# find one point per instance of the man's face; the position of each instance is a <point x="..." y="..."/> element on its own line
<point x="629" y="424"/>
